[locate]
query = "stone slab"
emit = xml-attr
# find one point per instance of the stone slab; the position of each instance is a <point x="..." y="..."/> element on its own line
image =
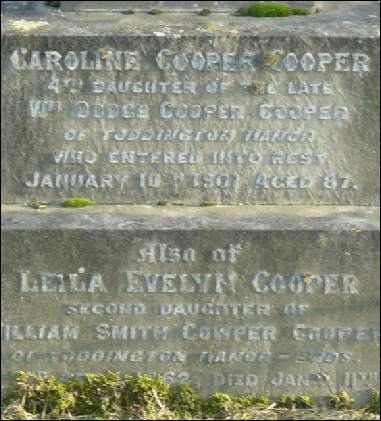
<point x="239" y="300"/>
<point x="214" y="122"/>
<point x="171" y="6"/>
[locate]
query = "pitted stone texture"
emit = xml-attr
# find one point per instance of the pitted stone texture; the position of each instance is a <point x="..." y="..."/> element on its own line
<point x="226" y="300"/>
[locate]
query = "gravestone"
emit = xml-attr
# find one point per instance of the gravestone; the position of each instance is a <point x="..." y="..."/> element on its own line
<point x="273" y="291"/>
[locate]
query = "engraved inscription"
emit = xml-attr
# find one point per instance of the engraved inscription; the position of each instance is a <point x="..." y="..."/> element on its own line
<point x="57" y="282"/>
<point x="235" y="327"/>
<point x="290" y="379"/>
<point x="22" y="59"/>
<point x="227" y="333"/>
<point x="217" y="283"/>
<point x="263" y="122"/>
<point x="30" y="332"/>
<point x="104" y="331"/>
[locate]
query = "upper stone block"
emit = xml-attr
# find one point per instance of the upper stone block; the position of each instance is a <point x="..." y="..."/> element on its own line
<point x="124" y="110"/>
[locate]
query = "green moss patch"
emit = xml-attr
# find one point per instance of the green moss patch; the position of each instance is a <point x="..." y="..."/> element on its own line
<point x="155" y="12"/>
<point x="207" y="203"/>
<point x="205" y="12"/>
<point x="272" y="9"/>
<point x="300" y="11"/>
<point x="128" y="12"/>
<point x="77" y="202"/>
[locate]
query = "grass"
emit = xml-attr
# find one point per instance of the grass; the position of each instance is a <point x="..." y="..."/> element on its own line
<point x="115" y="397"/>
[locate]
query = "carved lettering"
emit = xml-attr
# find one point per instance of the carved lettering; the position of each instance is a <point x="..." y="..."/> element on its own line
<point x="321" y="62"/>
<point x="197" y="111"/>
<point x="233" y="309"/>
<point x="58" y="282"/>
<point x="289" y="379"/>
<point x="234" y="357"/>
<point x="304" y="112"/>
<point x="104" y="331"/>
<point x="23" y="59"/>
<point x="83" y="109"/>
<point x="110" y="308"/>
<point x="300" y="332"/>
<point x="220" y="379"/>
<point x="33" y="332"/>
<point x="228" y="333"/>
<point x="218" y="283"/>
<point x="264" y="282"/>
<point x="118" y="356"/>
<point x="64" y="180"/>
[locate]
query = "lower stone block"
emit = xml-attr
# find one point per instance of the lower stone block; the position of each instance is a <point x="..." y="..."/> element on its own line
<point x="237" y="300"/>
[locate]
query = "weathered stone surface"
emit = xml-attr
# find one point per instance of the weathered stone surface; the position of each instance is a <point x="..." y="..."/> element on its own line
<point x="171" y="6"/>
<point x="238" y="299"/>
<point x="234" y="299"/>
<point x="271" y="116"/>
